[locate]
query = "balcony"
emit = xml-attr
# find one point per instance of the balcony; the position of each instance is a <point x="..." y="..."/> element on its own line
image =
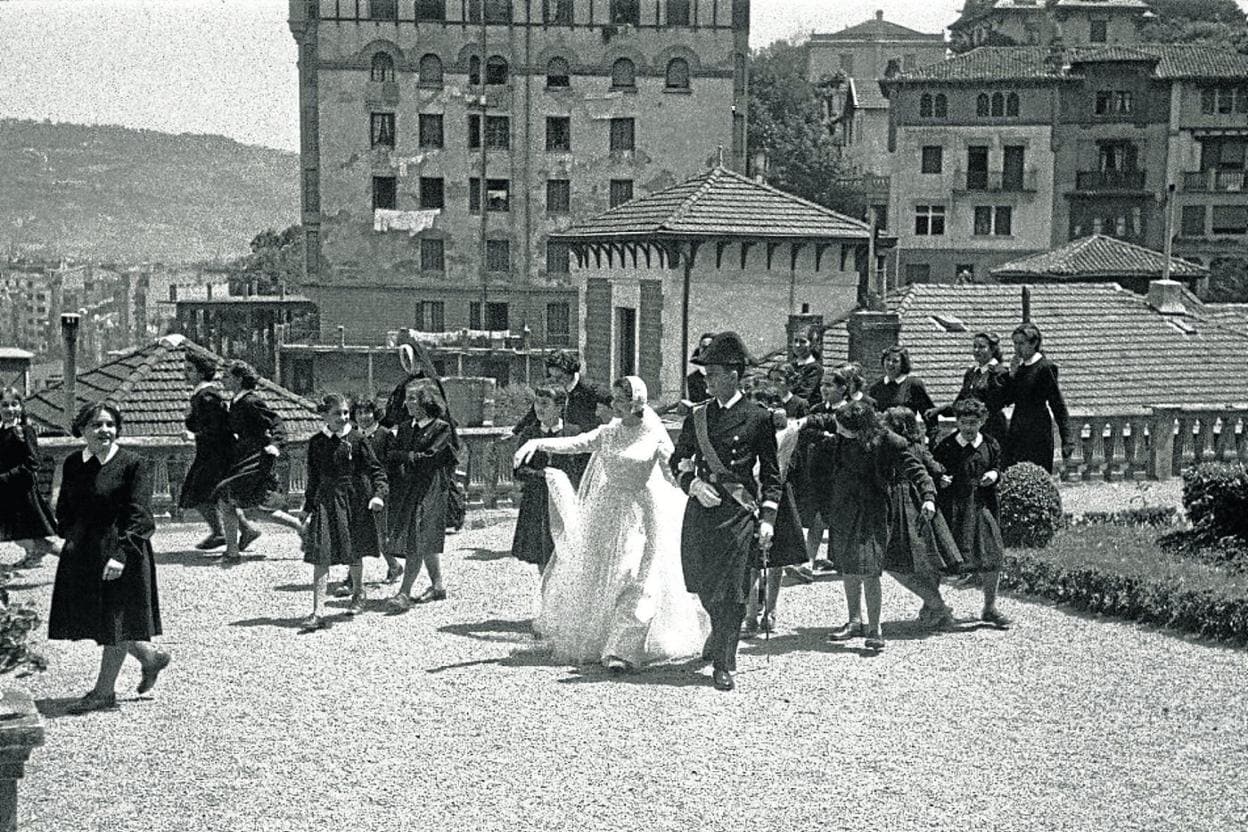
<point x="1215" y="180"/>
<point x="995" y="181"/>
<point x="1109" y="180"/>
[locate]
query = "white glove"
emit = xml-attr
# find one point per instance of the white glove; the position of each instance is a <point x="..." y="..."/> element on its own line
<point x="928" y="509"/>
<point x="704" y="493"/>
<point x="766" y="533"/>
<point x="272" y="450"/>
<point x="113" y="569"/>
<point x="524" y="453"/>
<point x="376" y="504"/>
<point x="988" y="478"/>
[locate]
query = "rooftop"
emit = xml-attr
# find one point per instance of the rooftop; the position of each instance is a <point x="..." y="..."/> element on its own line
<point x="717" y="203"/>
<point x="150" y="386"/>
<point x="1116" y="353"/>
<point x="1097" y="257"/>
<point x="1040" y="6"/>
<point x="877" y="29"/>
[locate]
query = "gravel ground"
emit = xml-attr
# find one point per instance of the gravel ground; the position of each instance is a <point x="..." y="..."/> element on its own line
<point x="447" y="717"/>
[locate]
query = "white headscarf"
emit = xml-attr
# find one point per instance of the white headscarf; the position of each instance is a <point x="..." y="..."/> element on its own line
<point x="639" y="394"/>
<point x="639" y="398"/>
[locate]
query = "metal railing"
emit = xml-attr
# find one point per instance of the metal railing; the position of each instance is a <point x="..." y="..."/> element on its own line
<point x="1109" y="180"/>
<point x="1215" y="180"/>
<point x="995" y="180"/>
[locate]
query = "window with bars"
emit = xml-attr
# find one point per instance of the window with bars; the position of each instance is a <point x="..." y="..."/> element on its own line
<point x="432" y="192"/>
<point x="383" y="9"/>
<point x="558" y="133"/>
<point x="558" y="324"/>
<point x="432" y="255"/>
<point x="431" y="130"/>
<point x="558" y="196"/>
<point x="621" y="191"/>
<point x="623" y="134"/>
<point x="382" y="68"/>
<point x="381" y="129"/>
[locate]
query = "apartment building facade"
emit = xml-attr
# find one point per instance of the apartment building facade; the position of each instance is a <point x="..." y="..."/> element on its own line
<point x="443" y="140"/>
<point x="1041" y="23"/>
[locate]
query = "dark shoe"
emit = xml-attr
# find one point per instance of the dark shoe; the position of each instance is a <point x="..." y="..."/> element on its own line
<point x="875" y="642"/>
<point x="148" y="681"/>
<point x="393" y="574"/>
<point x="357" y="604"/>
<point x="768" y="624"/>
<point x="851" y="629"/>
<point x="823" y="566"/>
<point x="246" y="538"/>
<point x="231" y="559"/>
<point x="942" y="620"/>
<point x="343" y="589"/>
<point x="801" y="573"/>
<point x="723" y="680"/>
<point x="749" y="628"/>
<point x="616" y="665"/>
<point x="313" y="623"/>
<point x="996" y="619"/>
<point x="399" y="603"/>
<point x="92" y="702"/>
<point x="212" y="541"/>
<point x="429" y="595"/>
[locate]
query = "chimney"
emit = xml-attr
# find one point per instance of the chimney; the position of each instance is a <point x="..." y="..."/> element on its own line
<point x="209" y="288"/>
<point x="879" y="14"/>
<point x="173" y="293"/>
<point x="69" y="383"/>
<point x="1026" y="304"/>
<point x="1166" y="296"/>
<point x="870" y="333"/>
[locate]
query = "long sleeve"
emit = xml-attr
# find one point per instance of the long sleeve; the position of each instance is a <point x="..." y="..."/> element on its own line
<point x="901" y="459"/>
<point x="440" y="444"/>
<point x="527" y="422"/>
<point x="686" y="447"/>
<point x="1053" y="395"/>
<point x="66" y="505"/>
<point x="313" y="483"/>
<point x="920" y="402"/>
<point x="584" y="443"/>
<point x="372" y="469"/>
<point x="25" y="472"/>
<point x="770" y="483"/>
<point x="135" y="523"/>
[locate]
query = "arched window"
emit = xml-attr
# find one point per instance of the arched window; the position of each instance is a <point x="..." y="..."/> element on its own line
<point x="981" y="104"/>
<point x="430" y="71"/>
<point x="558" y="74"/>
<point x="1011" y="104"/>
<point x="678" y="74"/>
<point x="925" y="105"/>
<point x="474" y="71"/>
<point x="623" y="74"/>
<point x="383" y="67"/>
<point x="496" y="70"/>
<point x="942" y="106"/>
<point x="998" y="105"/>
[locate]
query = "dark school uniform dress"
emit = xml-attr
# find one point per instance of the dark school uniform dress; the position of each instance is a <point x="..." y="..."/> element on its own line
<point x="343" y="475"/>
<point x="795" y="408"/>
<point x="969" y="508"/>
<point x="24" y="513"/>
<point x="910" y="392"/>
<point x="252" y="479"/>
<point x="812" y="479"/>
<point x="809" y="377"/>
<point x="581" y="409"/>
<point x="419" y="465"/>
<point x="209" y="420"/>
<point x="532" y="542"/>
<point x="915" y="545"/>
<point x="104" y="512"/>
<point x="988" y="383"/>
<point x="1034" y="393"/>
<point x="380" y="439"/>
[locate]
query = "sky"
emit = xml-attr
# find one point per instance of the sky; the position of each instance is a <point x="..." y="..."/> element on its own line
<point x="228" y="66"/>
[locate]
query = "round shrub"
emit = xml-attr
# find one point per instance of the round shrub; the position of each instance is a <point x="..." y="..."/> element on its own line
<point x="1031" y="507"/>
<point x="1215" y="495"/>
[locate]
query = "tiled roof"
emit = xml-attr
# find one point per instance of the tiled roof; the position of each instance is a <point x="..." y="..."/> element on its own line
<point x="877" y="29"/>
<point x="717" y="203"/>
<point x="1117" y="355"/>
<point x="1100" y="257"/>
<point x="150" y="386"/>
<point x="1029" y="63"/>
<point x="1102" y="5"/>
<point x="1000" y="5"/>
<point x="867" y="94"/>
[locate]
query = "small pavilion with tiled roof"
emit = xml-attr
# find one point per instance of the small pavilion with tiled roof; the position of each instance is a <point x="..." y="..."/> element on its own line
<point x="1099" y="259"/>
<point x="718" y="251"/>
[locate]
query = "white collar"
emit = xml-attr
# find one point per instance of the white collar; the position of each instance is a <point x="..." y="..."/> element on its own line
<point x="983" y="368"/>
<point x="368" y="432"/>
<point x="899" y="378"/>
<point x="422" y="423"/>
<point x="239" y="395"/>
<point x="1033" y="359"/>
<point x="979" y="440"/>
<point x="810" y="359"/>
<point x="108" y="455"/>
<point x="202" y="385"/>
<point x="576" y="379"/>
<point x="342" y="434"/>
<point x="736" y="397"/>
<point x="558" y="428"/>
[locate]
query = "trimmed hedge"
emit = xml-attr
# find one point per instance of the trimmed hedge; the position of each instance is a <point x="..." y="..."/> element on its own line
<point x="1152" y="516"/>
<point x="1031" y="507"/>
<point x="1215" y="495"/>
<point x="1118" y="571"/>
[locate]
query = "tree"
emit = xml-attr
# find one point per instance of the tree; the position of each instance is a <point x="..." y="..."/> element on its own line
<point x="1228" y="280"/>
<point x="1217" y="22"/>
<point x="789" y="121"/>
<point x="276" y="260"/>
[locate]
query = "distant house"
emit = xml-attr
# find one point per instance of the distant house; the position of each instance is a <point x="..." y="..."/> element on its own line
<point x="1100" y="259"/>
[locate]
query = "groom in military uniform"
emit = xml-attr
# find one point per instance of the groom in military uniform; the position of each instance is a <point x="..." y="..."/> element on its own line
<point x="730" y="511"/>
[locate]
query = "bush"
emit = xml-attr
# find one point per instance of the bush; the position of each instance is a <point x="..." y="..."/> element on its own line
<point x="1215" y="495"/>
<point x="1194" y="544"/>
<point x="17" y="622"/>
<point x="1031" y="507"/>
<point x="511" y="403"/>
<point x="1153" y="516"/>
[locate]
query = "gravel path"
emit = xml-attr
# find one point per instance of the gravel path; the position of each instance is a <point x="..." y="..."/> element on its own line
<point x="447" y="718"/>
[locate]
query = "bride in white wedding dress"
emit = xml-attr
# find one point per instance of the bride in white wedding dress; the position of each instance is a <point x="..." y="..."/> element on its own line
<point x="614" y="591"/>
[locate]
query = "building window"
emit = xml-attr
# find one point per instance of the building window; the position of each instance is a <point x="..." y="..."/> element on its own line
<point x="1224" y="100"/>
<point x="981" y="105"/>
<point x="909" y="62"/>
<point x="497" y="132"/>
<point x="496" y="317"/>
<point x="994" y="220"/>
<point x="558" y="73"/>
<point x="1193" y="223"/>
<point x="1099" y="31"/>
<point x="430" y="71"/>
<point x="557" y="257"/>
<point x="498" y="257"/>
<point x="382" y="129"/>
<point x="496" y="70"/>
<point x="918" y="273"/>
<point x="1011" y="104"/>
<point x="432" y="255"/>
<point x="623" y="75"/>
<point x="678" y="74"/>
<point x="559" y="12"/>
<point x="498" y="194"/>
<point x="474" y="71"/>
<point x="1115" y="102"/>
<point x="998" y="105"/>
<point x="929" y="220"/>
<point x="558" y="133"/>
<point x="430" y="130"/>
<point x="558" y="196"/>
<point x="1230" y="219"/>
<point x="933" y="159"/>
<point x="431" y="192"/>
<point x="383" y="10"/>
<point x="626" y="11"/>
<point x="623" y="134"/>
<point x="431" y="314"/>
<point x="430" y="10"/>
<point x="621" y="191"/>
<point x="474" y="195"/>
<point x="385" y="192"/>
<point x="496" y="11"/>
<point x="383" y="67"/>
<point x="558" y="323"/>
<point x="677" y="12"/>
<point x="925" y="105"/>
<point x="940" y="106"/>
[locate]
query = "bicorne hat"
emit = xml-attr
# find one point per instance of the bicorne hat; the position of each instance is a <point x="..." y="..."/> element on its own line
<point x="726" y="349"/>
<point x="569" y="361"/>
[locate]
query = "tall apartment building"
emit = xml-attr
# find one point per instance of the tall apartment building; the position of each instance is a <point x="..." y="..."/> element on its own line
<point x="443" y="140"/>
<point x="1041" y="22"/>
<point x="1007" y="151"/>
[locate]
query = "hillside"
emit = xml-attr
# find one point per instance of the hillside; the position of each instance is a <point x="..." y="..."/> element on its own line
<point x="116" y="194"/>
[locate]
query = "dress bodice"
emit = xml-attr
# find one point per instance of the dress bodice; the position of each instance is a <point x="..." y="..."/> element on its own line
<point x="628" y="455"/>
